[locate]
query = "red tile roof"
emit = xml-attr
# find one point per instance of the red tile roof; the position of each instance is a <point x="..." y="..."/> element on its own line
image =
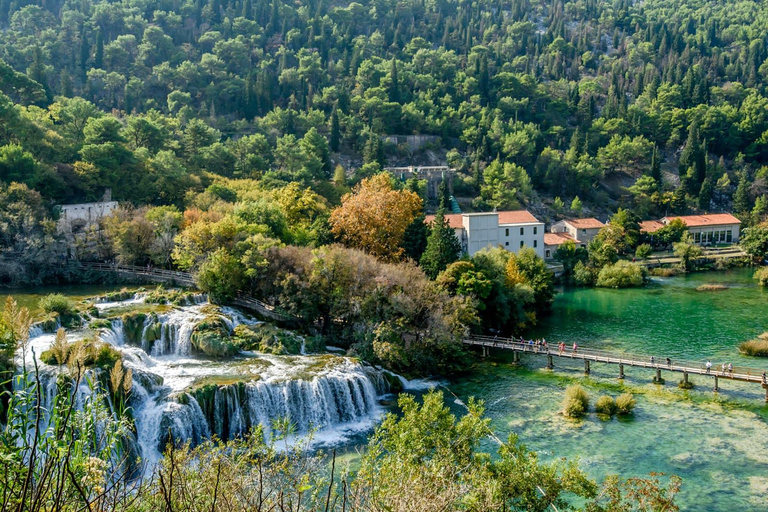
<point x="454" y="220"/>
<point x="589" y="223"/>
<point x="557" y="238"/>
<point x="650" y="226"/>
<point x="508" y="217"/>
<point x="715" y="219"/>
<point x="516" y="217"/>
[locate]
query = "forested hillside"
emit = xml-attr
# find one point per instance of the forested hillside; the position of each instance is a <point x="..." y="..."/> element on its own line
<point x="564" y="94"/>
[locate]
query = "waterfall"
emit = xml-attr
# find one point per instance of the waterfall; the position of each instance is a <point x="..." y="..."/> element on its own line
<point x="114" y="335"/>
<point x="177" y="397"/>
<point x="345" y="395"/>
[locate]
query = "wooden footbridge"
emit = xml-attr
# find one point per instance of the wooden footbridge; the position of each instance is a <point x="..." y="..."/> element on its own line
<point x="588" y="355"/>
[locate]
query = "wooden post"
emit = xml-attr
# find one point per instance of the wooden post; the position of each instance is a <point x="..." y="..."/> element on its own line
<point x="716" y="387"/>
<point x="621" y="370"/>
<point x="685" y="378"/>
<point x="657" y="379"/>
<point x="485" y="351"/>
<point x="765" y="386"/>
<point x="586" y="367"/>
<point x="550" y="364"/>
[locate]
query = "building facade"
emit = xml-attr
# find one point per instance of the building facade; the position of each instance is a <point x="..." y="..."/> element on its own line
<point x="581" y="230"/>
<point x="511" y="230"/>
<point x="717" y="228"/>
<point x="75" y="218"/>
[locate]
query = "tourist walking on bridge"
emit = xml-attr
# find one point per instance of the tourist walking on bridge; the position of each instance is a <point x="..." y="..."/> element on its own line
<point x="575" y="347"/>
<point x="709" y="366"/>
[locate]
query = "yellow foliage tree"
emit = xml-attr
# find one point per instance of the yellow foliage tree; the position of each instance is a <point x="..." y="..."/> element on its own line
<point x="514" y="276"/>
<point x="374" y="217"/>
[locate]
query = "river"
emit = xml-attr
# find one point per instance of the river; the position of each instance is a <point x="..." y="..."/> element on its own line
<point x="718" y="443"/>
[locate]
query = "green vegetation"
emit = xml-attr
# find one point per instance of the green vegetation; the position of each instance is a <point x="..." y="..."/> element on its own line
<point x="85" y="353"/>
<point x="625" y="404"/>
<point x="57" y="303"/>
<point x="212" y="337"/>
<point x="270" y="339"/>
<point x="576" y="402"/>
<point x="622" y="274"/>
<point x="756" y="347"/>
<point x="761" y="275"/>
<point x="711" y="288"/>
<point x="605" y="405"/>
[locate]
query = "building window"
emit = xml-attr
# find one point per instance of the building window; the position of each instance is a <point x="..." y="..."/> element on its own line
<point x="506" y="232"/>
<point x="506" y="243"/>
<point x="535" y="243"/>
<point x="583" y="231"/>
<point x="728" y="236"/>
<point x="522" y="244"/>
<point x="535" y="229"/>
<point x="546" y="253"/>
<point x="522" y="231"/>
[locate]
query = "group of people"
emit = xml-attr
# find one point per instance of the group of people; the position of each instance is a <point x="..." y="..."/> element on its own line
<point x="724" y="368"/>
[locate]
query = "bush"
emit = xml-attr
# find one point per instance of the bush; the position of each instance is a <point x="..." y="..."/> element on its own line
<point x="56" y="303"/>
<point x="622" y="274"/>
<point x="756" y="347"/>
<point x="625" y="403"/>
<point x="666" y="271"/>
<point x="583" y="275"/>
<point x="576" y="402"/>
<point x="643" y="251"/>
<point x="762" y="276"/>
<point x="605" y="405"/>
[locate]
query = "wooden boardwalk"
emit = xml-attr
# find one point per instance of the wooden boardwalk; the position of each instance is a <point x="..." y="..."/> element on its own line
<point x="588" y="355"/>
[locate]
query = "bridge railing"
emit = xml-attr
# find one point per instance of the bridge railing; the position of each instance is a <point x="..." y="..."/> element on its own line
<point x="745" y="372"/>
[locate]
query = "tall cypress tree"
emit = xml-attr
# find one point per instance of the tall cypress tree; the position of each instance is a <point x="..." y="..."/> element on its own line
<point x="98" y="58"/>
<point x="335" y="131"/>
<point x="741" y="201"/>
<point x="656" y="168"/>
<point x="443" y="247"/>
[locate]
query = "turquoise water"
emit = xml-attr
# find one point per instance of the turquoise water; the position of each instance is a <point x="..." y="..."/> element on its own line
<point x="718" y="443"/>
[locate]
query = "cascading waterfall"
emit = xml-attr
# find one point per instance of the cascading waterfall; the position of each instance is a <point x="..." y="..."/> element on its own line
<point x="169" y="404"/>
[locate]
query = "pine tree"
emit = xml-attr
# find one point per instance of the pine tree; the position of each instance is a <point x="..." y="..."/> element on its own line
<point x="679" y="204"/>
<point x="741" y="202"/>
<point x="442" y="246"/>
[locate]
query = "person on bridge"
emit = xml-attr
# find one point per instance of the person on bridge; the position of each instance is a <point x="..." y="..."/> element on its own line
<point x="575" y="347"/>
<point x="669" y="362"/>
<point x="730" y="369"/>
<point x="653" y="360"/>
<point x="709" y="366"/>
<point x="764" y="379"/>
<point x="561" y="347"/>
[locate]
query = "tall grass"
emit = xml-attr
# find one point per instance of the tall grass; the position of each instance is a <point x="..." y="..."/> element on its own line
<point x="756" y="347"/>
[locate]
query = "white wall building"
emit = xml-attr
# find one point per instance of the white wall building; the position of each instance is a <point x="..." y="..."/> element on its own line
<point x="74" y="218"/>
<point x="511" y="230"/>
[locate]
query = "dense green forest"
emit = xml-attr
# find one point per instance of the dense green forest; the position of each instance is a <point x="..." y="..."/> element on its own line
<point x="145" y="97"/>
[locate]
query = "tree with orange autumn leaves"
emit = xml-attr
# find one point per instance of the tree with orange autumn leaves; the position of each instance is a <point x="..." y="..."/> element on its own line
<point x="374" y="217"/>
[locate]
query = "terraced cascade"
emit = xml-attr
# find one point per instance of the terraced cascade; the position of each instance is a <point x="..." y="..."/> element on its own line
<point x="201" y="370"/>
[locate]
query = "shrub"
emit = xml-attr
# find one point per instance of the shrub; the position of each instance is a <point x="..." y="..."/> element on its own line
<point x="576" y="401"/>
<point x="625" y="403"/>
<point x="643" y="251"/>
<point x="583" y="275"/>
<point x="605" y="405"/>
<point x="56" y="303"/>
<point x="665" y="271"/>
<point x="762" y="276"/>
<point x="756" y="347"/>
<point x="622" y="274"/>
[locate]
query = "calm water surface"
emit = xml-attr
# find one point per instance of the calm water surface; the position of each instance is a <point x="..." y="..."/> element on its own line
<point x="718" y="444"/>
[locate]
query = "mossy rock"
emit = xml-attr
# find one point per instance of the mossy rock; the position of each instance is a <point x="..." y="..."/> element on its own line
<point x="174" y="297"/>
<point x="211" y="337"/>
<point x="96" y="354"/>
<point x="133" y="327"/>
<point x="393" y="382"/>
<point x="49" y="323"/>
<point x="100" y="323"/>
<point x="119" y="296"/>
<point x="269" y="339"/>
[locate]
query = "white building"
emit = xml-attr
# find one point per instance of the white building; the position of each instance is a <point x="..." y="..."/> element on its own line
<point x="74" y="218"/>
<point x="717" y="228"/>
<point x="581" y="230"/>
<point x="511" y="230"/>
